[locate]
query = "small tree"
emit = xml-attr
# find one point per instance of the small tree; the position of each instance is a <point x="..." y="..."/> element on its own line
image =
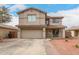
<point x="4" y="15"/>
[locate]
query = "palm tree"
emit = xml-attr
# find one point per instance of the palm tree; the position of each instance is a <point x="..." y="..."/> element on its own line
<point x="4" y="15"/>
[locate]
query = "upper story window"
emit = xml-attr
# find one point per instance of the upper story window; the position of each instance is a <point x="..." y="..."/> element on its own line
<point x="31" y="18"/>
<point x="56" y="21"/>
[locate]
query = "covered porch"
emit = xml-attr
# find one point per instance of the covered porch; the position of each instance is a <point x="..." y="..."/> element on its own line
<point x="55" y="32"/>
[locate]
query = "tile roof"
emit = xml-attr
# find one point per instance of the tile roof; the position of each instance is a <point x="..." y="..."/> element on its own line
<point x="56" y="26"/>
<point x="59" y="17"/>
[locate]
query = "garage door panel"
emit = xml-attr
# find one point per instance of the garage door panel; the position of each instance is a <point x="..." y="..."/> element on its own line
<point x="32" y="34"/>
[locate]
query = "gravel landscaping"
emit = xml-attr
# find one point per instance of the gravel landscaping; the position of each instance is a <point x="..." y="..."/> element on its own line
<point x="65" y="47"/>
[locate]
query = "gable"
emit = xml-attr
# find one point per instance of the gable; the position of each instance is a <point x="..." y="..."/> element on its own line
<point x="31" y="9"/>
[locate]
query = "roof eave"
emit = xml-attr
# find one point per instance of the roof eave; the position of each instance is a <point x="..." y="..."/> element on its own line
<point x="31" y="8"/>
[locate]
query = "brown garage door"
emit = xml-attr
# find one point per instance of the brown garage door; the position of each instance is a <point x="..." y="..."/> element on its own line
<point x="32" y="34"/>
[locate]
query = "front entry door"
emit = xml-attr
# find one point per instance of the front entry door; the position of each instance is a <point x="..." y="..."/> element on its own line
<point x="55" y="32"/>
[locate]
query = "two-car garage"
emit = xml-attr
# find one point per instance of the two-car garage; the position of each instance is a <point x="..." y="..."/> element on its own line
<point x="31" y="34"/>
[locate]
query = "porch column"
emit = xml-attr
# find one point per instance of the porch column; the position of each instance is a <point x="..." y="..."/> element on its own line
<point x="73" y="33"/>
<point x="78" y="33"/>
<point x="44" y="33"/>
<point x="60" y="33"/>
<point x="18" y="33"/>
<point x="63" y="34"/>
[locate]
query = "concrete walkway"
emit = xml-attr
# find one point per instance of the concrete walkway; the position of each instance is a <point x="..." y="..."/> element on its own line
<point x="26" y="47"/>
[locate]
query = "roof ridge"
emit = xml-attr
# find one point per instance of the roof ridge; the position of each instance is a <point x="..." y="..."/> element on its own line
<point x="30" y="8"/>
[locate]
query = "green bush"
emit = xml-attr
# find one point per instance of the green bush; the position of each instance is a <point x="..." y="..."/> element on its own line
<point x="77" y="45"/>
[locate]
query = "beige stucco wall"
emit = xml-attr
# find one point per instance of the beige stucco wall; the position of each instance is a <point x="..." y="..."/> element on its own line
<point x="60" y="32"/>
<point x="40" y="18"/>
<point x="72" y="33"/>
<point x="63" y="33"/>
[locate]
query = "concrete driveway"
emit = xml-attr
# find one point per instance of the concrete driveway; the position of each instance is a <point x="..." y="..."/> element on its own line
<point x="23" y="47"/>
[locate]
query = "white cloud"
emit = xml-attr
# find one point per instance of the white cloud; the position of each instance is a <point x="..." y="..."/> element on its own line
<point x="71" y="17"/>
<point x="17" y="6"/>
<point x="2" y="4"/>
<point x="71" y="21"/>
<point x="14" y="21"/>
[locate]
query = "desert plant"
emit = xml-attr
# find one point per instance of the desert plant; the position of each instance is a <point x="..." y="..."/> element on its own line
<point x="66" y="40"/>
<point x="77" y="45"/>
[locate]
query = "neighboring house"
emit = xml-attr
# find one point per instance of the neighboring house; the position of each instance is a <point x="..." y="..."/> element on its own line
<point x="34" y="23"/>
<point x="74" y="31"/>
<point x="68" y="34"/>
<point x="5" y="30"/>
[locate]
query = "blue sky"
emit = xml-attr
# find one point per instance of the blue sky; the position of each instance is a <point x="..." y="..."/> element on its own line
<point x="54" y="7"/>
<point x="45" y="7"/>
<point x="69" y="11"/>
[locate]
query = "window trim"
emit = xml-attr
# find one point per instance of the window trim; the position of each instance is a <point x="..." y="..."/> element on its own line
<point x="55" y="21"/>
<point x="31" y="15"/>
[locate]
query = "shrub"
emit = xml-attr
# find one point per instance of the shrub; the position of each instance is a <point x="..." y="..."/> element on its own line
<point x="77" y="45"/>
<point x="66" y="40"/>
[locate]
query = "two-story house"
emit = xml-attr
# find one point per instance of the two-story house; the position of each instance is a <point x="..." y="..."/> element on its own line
<point x="34" y="23"/>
